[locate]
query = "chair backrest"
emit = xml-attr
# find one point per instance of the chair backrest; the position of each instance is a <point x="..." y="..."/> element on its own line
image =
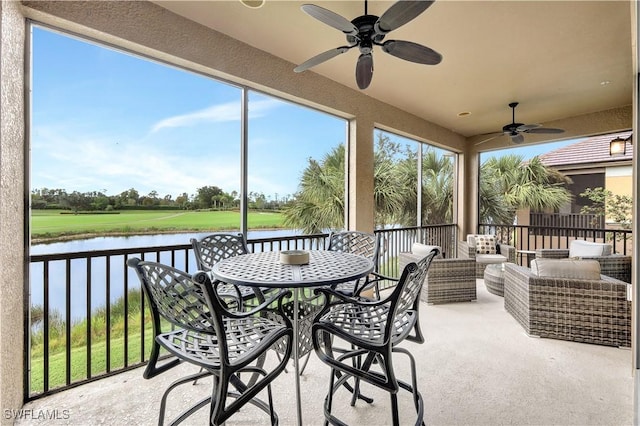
<point x="406" y="295"/>
<point x="173" y="295"/>
<point x="216" y="247"/>
<point x="356" y="242"/>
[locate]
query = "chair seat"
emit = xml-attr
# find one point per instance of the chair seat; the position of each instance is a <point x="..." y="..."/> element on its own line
<point x="243" y="334"/>
<point x="490" y="258"/>
<point x="367" y="323"/>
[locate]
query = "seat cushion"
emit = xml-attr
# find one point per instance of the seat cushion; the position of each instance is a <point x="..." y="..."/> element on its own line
<point x="485" y="244"/>
<point x="490" y="258"/>
<point x="581" y="269"/>
<point x="581" y="248"/>
<point x="423" y="249"/>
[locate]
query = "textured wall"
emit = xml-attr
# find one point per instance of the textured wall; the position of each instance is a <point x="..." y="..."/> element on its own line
<point x="11" y="206"/>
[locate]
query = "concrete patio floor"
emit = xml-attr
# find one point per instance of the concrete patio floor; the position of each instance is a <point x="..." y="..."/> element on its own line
<point x="477" y="367"/>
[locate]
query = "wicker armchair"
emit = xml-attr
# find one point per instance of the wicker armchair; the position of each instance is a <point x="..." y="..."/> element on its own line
<point x="612" y="265"/>
<point x="580" y="310"/>
<point x="468" y="250"/>
<point x="448" y="280"/>
<point x="374" y="330"/>
<point x="223" y="343"/>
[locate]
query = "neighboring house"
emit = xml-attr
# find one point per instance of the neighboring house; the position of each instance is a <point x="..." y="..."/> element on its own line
<point x="589" y="165"/>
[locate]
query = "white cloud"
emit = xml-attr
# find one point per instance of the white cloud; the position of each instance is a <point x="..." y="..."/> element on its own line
<point x="216" y="113"/>
<point x="84" y="163"/>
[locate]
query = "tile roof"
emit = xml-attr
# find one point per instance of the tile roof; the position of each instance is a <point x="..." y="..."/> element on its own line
<point x="590" y="150"/>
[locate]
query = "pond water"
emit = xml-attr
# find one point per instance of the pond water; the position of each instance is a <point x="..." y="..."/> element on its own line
<point x="78" y="271"/>
<point x="107" y="243"/>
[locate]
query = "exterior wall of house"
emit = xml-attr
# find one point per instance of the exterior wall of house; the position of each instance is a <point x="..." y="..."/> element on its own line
<point x="12" y="196"/>
<point x="619" y="180"/>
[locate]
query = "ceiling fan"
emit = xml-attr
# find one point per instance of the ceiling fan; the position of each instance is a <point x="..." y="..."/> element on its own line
<point x="515" y="130"/>
<point x="367" y="31"/>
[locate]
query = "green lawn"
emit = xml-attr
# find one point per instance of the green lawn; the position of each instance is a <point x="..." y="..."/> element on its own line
<point x="50" y="223"/>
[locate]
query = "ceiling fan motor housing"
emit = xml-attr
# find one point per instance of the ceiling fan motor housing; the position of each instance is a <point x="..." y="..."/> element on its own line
<point x="366" y="32"/>
<point x="511" y="129"/>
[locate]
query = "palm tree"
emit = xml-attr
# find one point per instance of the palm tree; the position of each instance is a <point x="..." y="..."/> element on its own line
<point x="319" y="203"/>
<point x="508" y="183"/>
<point x="437" y="188"/>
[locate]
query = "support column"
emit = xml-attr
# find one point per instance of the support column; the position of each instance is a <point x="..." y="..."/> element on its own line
<point x="361" y="206"/>
<point x="468" y="172"/>
<point x="12" y="196"/>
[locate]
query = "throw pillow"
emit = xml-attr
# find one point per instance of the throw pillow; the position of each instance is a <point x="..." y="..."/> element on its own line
<point x="485" y="244"/>
<point x="580" y="248"/>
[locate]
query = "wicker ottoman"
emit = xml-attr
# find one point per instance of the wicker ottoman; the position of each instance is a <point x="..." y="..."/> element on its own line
<point x="494" y="279"/>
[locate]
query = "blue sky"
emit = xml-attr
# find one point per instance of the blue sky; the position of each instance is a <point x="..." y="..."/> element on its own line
<point x="103" y="120"/>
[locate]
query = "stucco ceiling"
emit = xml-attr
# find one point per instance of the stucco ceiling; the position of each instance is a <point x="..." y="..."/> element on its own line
<point x="558" y="59"/>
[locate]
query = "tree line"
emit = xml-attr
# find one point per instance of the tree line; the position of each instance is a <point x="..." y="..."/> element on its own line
<point x="206" y="197"/>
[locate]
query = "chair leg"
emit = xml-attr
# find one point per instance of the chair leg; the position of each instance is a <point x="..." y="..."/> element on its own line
<point x="163" y="401"/>
<point x="272" y="413"/>
<point x="394" y="409"/>
<point x="328" y="401"/>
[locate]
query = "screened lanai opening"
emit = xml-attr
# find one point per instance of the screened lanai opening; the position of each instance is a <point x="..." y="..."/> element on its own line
<point x="129" y="154"/>
<point x="414" y="191"/>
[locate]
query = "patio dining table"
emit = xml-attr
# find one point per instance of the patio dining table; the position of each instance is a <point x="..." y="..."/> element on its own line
<point x="264" y="269"/>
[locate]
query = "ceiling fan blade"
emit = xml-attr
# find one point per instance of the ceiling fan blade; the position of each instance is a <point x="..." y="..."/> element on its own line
<point x="399" y="14"/>
<point x="364" y="70"/>
<point x="517" y="138"/>
<point x="330" y="18"/>
<point x="410" y="51"/>
<point x="495" y="135"/>
<point x="527" y="127"/>
<point x="545" y="130"/>
<point x="318" y="59"/>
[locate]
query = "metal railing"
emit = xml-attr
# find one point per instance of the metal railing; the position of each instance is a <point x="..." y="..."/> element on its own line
<point x="93" y="321"/>
<point x="566" y="220"/>
<point x="527" y="238"/>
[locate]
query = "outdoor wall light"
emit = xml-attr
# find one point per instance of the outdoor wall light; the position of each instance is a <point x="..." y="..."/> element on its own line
<point x="618" y="146"/>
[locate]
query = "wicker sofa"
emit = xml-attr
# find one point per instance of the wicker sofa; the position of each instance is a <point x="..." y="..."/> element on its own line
<point x="468" y="250"/>
<point x="612" y="265"/>
<point x="582" y="310"/>
<point x="448" y="280"/>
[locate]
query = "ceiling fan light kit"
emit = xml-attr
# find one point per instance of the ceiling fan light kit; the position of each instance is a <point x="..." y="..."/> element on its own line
<point x="516" y="131"/>
<point x="367" y="31"/>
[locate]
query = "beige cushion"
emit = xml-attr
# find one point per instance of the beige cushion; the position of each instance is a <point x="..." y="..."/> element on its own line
<point x="581" y="248"/>
<point x="566" y="268"/>
<point x="423" y="249"/>
<point x="485" y="244"/>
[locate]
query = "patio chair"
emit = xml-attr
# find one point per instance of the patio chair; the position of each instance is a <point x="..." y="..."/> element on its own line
<point x="485" y="250"/>
<point x="363" y="244"/>
<point x="569" y="299"/>
<point x="374" y="329"/>
<point x="448" y="280"/>
<point x="215" y="247"/>
<point x="224" y="343"/>
<point x="612" y="265"/>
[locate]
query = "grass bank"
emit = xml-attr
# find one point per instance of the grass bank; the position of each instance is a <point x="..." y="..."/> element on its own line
<point x="50" y="225"/>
